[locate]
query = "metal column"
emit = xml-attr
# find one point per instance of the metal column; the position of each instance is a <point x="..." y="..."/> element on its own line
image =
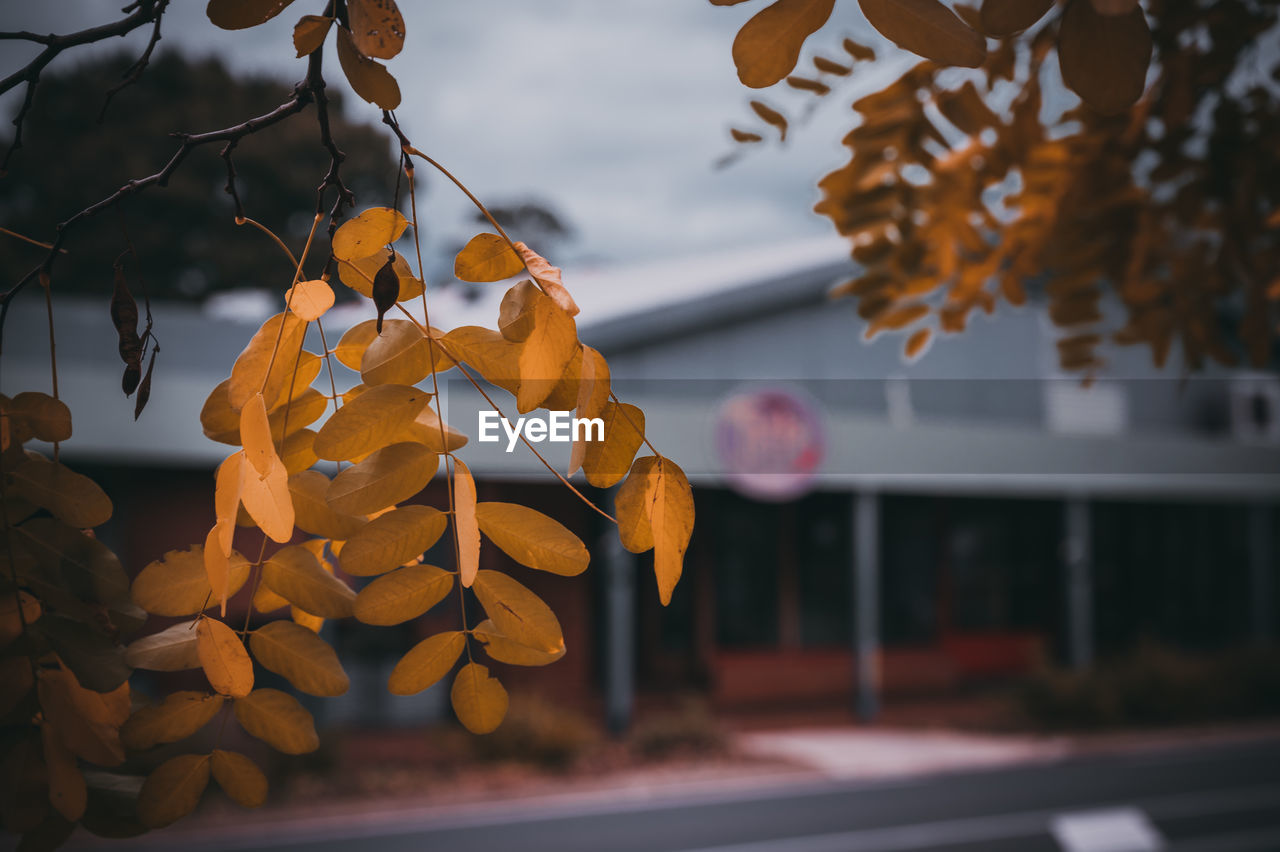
<point x="1261" y="562"/>
<point x="619" y="657"/>
<point x="1077" y="556"/>
<point x="866" y="604"/>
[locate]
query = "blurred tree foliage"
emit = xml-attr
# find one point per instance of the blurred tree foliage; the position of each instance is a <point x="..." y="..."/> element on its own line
<point x="181" y="235"/>
<point x="977" y="175"/>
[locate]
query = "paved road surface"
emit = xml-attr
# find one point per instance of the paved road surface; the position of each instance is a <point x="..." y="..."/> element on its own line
<point x="1219" y="799"/>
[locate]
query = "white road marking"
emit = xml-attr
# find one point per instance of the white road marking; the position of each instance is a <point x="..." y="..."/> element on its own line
<point x="1106" y="830"/>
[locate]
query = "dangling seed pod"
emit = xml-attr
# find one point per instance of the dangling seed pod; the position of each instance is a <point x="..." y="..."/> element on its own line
<point x="386" y="287"/>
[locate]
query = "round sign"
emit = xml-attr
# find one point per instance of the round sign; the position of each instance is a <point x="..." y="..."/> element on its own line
<point x="770" y="443"/>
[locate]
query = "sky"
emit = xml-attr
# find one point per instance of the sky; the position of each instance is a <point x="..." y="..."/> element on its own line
<point x="613" y="112"/>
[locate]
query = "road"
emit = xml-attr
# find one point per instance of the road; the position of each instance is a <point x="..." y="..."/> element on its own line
<point x="1207" y="799"/>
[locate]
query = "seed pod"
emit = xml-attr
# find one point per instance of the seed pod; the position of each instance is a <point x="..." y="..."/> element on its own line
<point x="386" y="288"/>
<point x="124" y="316"/>
<point x="144" y="389"/>
<point x="132" y="374"/>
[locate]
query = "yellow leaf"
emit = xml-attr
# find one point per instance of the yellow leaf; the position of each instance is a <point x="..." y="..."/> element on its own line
<point x="487" y="351"/>
<point x="369" y="422"/>
<point x="67" y="791"/>
<point x="179" y="716"/>
<point x="222" y="656"/>
<point x="478" y="699"/>
<point x="309" y="33"/>
<point x="377" y="28"/>
<point x="312" y="513"/>
<point x="402" y="595"/>
<point x="533" y="539"/>
<point x="255" y="435"/>
<point x="767" y="47"/>
<point x="297" y="453"/>
<point x="240" y="778"/>
<point x="241" y="14"/>
<point x="550" y="346"/>
<point x="89" y="722"/>
<point x="71" y="497"/>
<point x="1104" y="58"/>
<point x="606" y="462"/>
<point x="368" y="79"/>
<point x="173" y="790"/>
<point x="927" y="28"/>
<point x="505" y="650"/>
<point x="369" y="233"/>
<point x="173" y="649"/>
<point x="426" y="663"/>
<point x="358" y="274"/>
<point x="485" y="258"/>
<point x="465" y="525"/>
<point x="45" y="418"/>
<point x="177" y="584"/>
<point x="548" y="278"/>
<point x="217" y="566"/>
<point x="226" y="498"/>
<point x="1001" y="18"/>
<point x="295" y="573"/>
<point x="279" y="720"/>
<point x="309" y="299"/>
<point x="401" y="355"/>
<point x="256" y="370"/>
<point x="267" y="500"/>
<point x="655" y="510"/>
<point x="300" y="656"/>
<point x="517" y="612"/>
<point x="392" y="539"/>
<point x="593" y="397"/>
<point x="388" y="476"/>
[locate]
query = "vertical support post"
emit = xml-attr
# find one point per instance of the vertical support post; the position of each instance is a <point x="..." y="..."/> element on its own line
<point x="866" y="604"/>
<point x="1261" y="561"/>
<point x="1078" y="559"/>
<point x="619" y="657"/>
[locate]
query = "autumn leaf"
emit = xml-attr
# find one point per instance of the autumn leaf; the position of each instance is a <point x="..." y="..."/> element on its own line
<point x="1003" y="18"/>
<point x="309" y="299"/>
<point x="392" y="539"/>
<point x="1104" y="58"/>
<point x="466" y="527"/>
<point x="240" y="778"/>
<point x="517" y="612"/>
<point x="548" y="278"/>
<point x="927" y="28"/>
<point x="478" y="699"/>
<point x="369" y="79"/>
<point x="386" y="477"/>
<point x="177" y="584"/>
<point x="767" y="47"/>
<point x="426" y="663"/>
<point x="179" y="716"/>
<point x="67" y="791"/>
<point x="402" y="595"/>
<point x="505" y="650"/>
<point x="367" y="234"/>
<point x="267" y="500"/>
<point x="487" y="257"/>
<point x="532" y="539"/>
<point x="173" y="649"/>
<point x="222" y="656"/>
<point x="295" y="574"/>
<point x="369" y="422"/>
<point x="300" y="656"/>
<point x="173" y="789"/>
<point x="606" y="462"/>
<point x="309" y="33"/>
<point x="377" y="27"/>
<point x="241" y="14"/>
<point x="279" y="720"/>
<point x="655" y="511"/>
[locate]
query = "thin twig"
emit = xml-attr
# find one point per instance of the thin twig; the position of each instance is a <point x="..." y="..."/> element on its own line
<point x="135" y="70"/>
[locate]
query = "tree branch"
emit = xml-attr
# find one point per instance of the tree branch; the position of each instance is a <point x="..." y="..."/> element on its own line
<point x="143" y="12"/>
<point x="135" y="70"/>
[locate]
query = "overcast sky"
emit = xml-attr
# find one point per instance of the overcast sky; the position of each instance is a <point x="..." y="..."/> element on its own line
<point x="614" y="111"/>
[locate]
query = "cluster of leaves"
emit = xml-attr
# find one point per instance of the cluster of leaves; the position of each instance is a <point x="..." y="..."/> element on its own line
<point x="963" y="187"/>
<point x="67" y="605"/>
<point x="368" y="30"/>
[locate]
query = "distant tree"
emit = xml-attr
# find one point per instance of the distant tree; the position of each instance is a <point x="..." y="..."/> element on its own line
<point x="181" y="234"/>
<point x="969" y="183"/>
